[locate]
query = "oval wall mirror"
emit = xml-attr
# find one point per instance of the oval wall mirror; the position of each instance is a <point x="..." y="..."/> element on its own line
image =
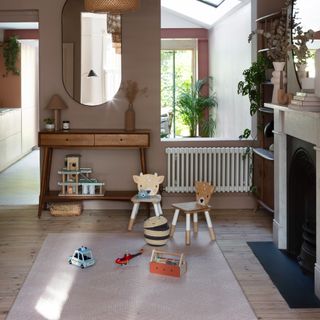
<point x="305" y="12"/>
<point x="91" y="54"/>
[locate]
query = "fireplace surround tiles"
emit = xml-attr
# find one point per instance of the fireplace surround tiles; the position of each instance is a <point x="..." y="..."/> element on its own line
<point x="306" y="127"/>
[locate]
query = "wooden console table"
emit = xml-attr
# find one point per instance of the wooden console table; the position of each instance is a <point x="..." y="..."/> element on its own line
<point x="87" y="139"/>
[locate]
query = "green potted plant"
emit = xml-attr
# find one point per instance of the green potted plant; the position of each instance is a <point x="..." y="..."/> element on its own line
<point x="251" y="86"/>
<point x="191" y="107"/>
<point x="49" y="123"/>
<point x="11" y="51"/>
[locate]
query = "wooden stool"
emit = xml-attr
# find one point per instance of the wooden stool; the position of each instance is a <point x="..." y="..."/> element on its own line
<point x="155" y="200"/>
<point x="191" y="208"/>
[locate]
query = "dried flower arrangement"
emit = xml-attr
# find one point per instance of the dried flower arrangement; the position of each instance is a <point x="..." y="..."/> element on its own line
<point x="300" y="39"/>
<point x="299" y="46"/>
<point x="132" y="90"/>
<point x="278" y="38"/>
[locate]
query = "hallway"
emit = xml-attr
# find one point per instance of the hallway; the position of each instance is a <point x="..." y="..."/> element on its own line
<point x="20" y="183"/>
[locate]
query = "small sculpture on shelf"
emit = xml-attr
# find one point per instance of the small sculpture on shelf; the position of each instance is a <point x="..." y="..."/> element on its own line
<point x="76" y="181"/>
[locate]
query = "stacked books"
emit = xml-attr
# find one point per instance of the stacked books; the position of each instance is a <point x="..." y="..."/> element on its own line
<point x="305" y="102"/>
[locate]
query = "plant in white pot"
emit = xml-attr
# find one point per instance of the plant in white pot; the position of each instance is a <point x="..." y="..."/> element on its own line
<point x="49" y="124"/>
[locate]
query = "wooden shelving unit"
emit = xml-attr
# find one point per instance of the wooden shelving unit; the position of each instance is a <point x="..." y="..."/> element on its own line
<point x="263" y="166"/>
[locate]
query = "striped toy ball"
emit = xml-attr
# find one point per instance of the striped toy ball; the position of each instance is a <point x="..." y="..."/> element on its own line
<point x="156" y="231"/>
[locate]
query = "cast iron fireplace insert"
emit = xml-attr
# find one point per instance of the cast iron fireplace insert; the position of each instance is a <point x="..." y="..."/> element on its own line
<point x="301" y="203"/>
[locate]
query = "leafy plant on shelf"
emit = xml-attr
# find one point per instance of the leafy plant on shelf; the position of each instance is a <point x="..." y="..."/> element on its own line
<point x="251" y="86"/>
<point x="11" y="52"/>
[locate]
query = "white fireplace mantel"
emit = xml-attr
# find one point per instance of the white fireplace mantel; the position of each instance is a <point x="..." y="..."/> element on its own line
<point x="305" y="126"/>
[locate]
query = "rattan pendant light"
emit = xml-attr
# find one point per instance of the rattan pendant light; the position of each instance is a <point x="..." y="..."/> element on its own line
<point x="112" y="6"/>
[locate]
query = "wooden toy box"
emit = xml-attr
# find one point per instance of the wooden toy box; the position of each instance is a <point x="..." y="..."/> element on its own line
<point x="168" y="263"/>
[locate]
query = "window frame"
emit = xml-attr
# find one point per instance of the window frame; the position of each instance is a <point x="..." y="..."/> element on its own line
<point x="201" y="37"/>
<point x="181" y="45"/>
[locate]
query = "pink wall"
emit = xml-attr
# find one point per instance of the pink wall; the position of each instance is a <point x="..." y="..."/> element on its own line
<point x="10" y="87"/>
<point x="22" y="34"/>
<point x="141" y="62"/>
<point x="193" y="33"/>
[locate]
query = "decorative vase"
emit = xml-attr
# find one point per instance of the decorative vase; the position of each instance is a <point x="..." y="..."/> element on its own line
<point x="278" y="76"/>
<point x="129" y="118"/>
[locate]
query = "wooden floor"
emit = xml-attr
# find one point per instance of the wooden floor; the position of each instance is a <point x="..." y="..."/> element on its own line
<point x="22" y="233"/>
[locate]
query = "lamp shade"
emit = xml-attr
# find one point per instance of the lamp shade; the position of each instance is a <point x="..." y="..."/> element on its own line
<point x="112" y="6"/>
<point x="56" y="103"/>
<point x="92" y="74"/>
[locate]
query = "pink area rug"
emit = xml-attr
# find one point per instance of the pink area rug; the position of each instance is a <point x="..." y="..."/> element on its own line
<point x="56" y="290"/>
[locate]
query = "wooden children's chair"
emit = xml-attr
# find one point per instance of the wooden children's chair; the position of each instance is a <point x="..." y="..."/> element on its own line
<point x="201" y="205"/>
<point x="148" y="186"/>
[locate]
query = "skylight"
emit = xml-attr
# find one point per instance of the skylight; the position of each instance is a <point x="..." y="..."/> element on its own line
<point x="200" y="12"/>
<point x="213" y="3"/>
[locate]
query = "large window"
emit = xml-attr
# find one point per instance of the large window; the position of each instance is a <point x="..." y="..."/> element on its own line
<point x="178" y="68"/>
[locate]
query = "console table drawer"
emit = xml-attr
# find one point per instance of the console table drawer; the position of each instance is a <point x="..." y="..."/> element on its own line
<point x="66" y="139"/>
<point x="122" y="140"/>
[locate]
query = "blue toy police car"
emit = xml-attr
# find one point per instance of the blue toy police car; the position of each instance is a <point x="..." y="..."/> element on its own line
<point x="82" y="258"/>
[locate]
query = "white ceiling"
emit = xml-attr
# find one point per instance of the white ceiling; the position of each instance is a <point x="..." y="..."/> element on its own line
<point x="200" y="13"/>
<point x="194" y="11"/>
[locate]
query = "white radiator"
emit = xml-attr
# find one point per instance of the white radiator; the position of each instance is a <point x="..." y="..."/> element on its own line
<point x="226" y="168"/>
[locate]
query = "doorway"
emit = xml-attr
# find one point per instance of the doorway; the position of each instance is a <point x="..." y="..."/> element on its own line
<point x="19" y="167"/>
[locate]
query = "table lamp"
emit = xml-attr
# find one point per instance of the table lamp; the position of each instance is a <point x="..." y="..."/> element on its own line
<point x="56" y="104"/>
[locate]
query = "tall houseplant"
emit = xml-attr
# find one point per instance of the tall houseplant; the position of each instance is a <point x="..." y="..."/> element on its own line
<point x="192" y="105"/>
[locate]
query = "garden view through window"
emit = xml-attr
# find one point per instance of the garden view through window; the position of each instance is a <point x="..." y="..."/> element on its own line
<point x="176" y="71"/>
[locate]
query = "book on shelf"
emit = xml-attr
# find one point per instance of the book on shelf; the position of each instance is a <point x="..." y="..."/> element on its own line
<point x="305" y="103"/>
<point x="302" y="96"/>
<point x="300" y="107"/>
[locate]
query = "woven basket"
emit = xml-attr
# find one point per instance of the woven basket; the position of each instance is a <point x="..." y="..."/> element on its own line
<point x="156" y="231"/>
<point x="66" y="209"/>
<point x="113" y="6"/>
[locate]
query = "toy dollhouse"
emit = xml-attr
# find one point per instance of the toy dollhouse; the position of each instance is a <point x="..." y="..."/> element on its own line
<point x="76" y="180"/>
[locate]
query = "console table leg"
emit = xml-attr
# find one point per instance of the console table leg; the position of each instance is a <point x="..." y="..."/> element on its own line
<point x="143" y="160"/>
<point x="45" y="178"/>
